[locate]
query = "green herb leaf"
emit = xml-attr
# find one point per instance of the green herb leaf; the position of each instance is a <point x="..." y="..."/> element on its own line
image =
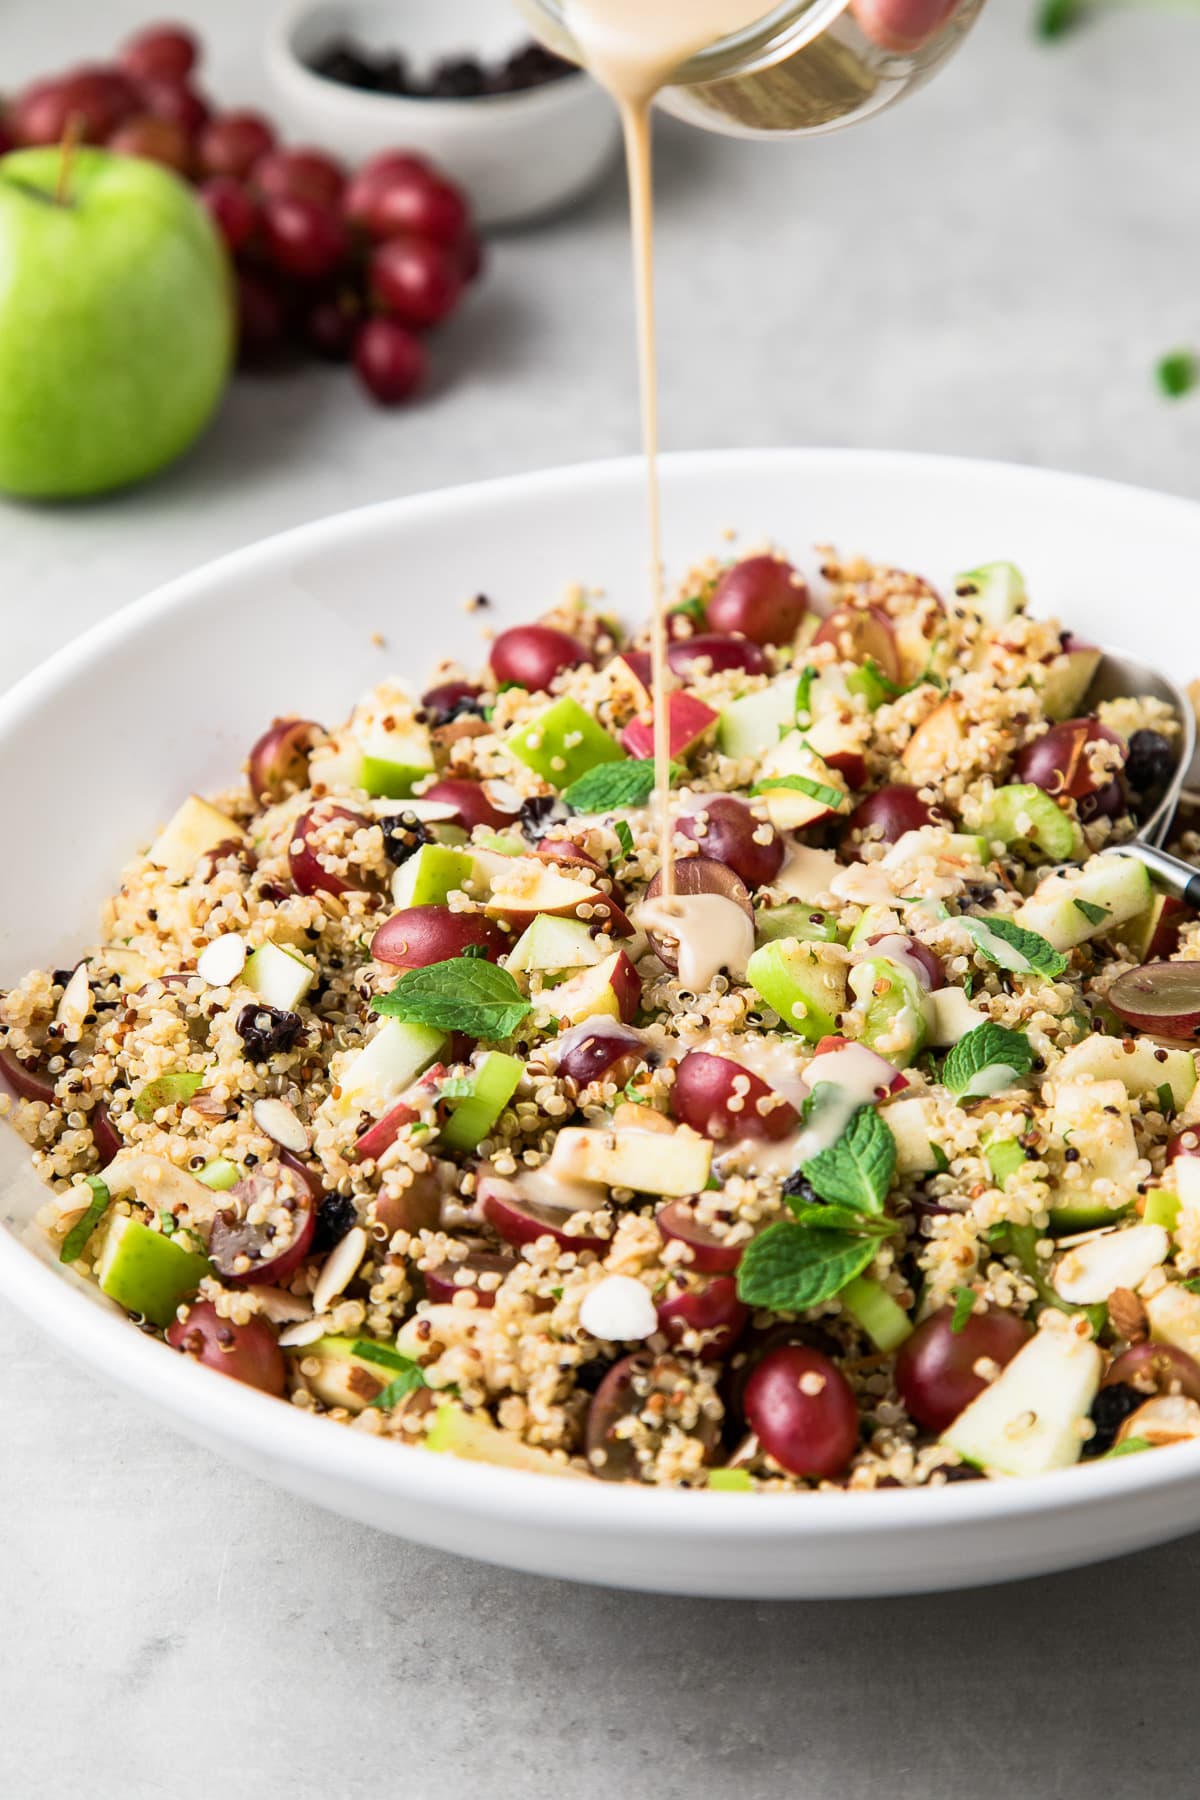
<point x="941" y="1162"/>
<point x="1177" y="373"/>
<point x="1192" y="1286"/>
<point x="612" y="784"/>
<point x="1042" y="957"/>
<point x="624" y="837"/>
<point x="367" y="1350"/>
<point x="462" y="994"/>
<point x="1166" y="1099"/>
<point x="964" y="1305"/>
<point x="1095" y="915"/>
<point x="75" y="1242"/>
<point x="968" y="983"/>
<point x="695" y="607"/>
<point x="1054" y="17"/>
<point x="819" y="791"/>
<point x="1130" y="1447"/>
<point x="399" y="1388"/>
<point x="816" y="1216"/>
<point x="989" y="1046"/>
<point x="856" y="1171"/>
<point x="474" y="952"/>
<point x="788" y="1269"/>
<point x="804" y="695"/>
<point x="731" y="1481"/>
<point x="172" y="1089"/>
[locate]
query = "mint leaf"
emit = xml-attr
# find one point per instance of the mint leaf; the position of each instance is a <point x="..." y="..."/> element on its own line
<point x="612" y="784"/>
<point x="964" y="1306"/>
<point x="1129" y="1448"/>
<point x="408" y="1378"/>
<point x="624" y="837"/>
<point x="1166" y="1099"/>
<point x="695" y="608"/>
<point x="75" y="1242"/>
<point x="171" y="1089"/>
<point x="1095" y="915"/>
<point x="856" y="1171"/>
<point x="818" y="1217"/>
<point x="801" y="784"/>
<point x="1054" y="17"/>
<point x="804" y="695"/>
<point x="970" y="1069"/>
<point x="1177" y="373"/>
<point x="788" y="1269"/>
<point x="1031" y="948"/>
<point x="462" y="994"/>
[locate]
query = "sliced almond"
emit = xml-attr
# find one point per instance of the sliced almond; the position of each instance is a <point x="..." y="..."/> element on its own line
<point x="223" y="960"/>
<point x="279" y="1122"/>
<point x="340" y="1268"/>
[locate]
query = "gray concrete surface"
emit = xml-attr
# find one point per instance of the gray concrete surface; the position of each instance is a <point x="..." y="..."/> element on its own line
<point x="991" y="271"/>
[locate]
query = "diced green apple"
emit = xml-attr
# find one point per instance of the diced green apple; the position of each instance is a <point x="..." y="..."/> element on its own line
<point x="913" y="1122"/>
<point x="551" y="944"/>
<point x="1024" y="818"/>
<point x="1174" y="1314"/>
<point x="613" y="989"/>
<point x="689" y="722"/>
<point x="1092" y="1119"/>
<point x="1139" y="1064"/>
<point x="385" y="1066"/>
<point x="1066" y="682"/>
<point x="1031" y="1418"/>
<point x="220" y="1174"/>
<point x="757" y="721"/>
<point x="472" y="1116"/>
<point x="805" y="983"/>
<point x="279" y="977"/>
<point x="875" y="1311"/>
<point x="429" y="876"/>
<point x="147" y="1273"/>
<point x="563" y="743"/>
<point x="996" y="591"/>
<point x="394" y="759"/>
<point x="1004" y="1157"/>
<point x="673" y="1163"/>
<point x="523" y="887"/>
<point x="1069" y="908"/>
<point x="194" y="830"/>
<point x="456" y="1432"/>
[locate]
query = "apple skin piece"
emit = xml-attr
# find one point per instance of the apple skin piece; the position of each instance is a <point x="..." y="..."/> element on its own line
<point x="1114" y="888"/>
<point x="562" y="743"/>
<point x="632" y="675"/>
<point x="1027" y="1420"/>
<point x="277" y="976"/>
<point x="1154" y="935"/>
<point x="805" y="983"/>
<point x="689" y="722"/>
<point x="387" y="1064"/>
<point x="613" y="987"/>
<point x="145" y="1272"/>
<point x="674" y="1164"/>
<point x="116" y="322"/>
<point x="1139" y="1064"/>
<point x="1068" y="678"/>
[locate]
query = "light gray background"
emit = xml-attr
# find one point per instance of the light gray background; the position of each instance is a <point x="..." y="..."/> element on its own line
<point x="993" y="270"/>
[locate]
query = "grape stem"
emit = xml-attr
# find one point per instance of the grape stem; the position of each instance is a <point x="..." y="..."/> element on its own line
<point x="68" y="144"/>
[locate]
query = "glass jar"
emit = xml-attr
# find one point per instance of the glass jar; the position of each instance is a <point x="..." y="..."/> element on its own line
<point x="804" y="67"/>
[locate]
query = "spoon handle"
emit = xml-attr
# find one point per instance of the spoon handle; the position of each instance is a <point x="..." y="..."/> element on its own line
<point x="1178" y="877"/>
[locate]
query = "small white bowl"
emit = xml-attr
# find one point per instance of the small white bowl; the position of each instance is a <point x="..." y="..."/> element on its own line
<point x="517" y="155"/>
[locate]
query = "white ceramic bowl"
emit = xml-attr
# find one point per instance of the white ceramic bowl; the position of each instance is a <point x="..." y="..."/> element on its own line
<point x="519" y="156"/>
<point x="167" y="696"/>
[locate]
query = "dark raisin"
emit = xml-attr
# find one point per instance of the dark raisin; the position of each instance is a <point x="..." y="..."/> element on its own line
<point x="539" y="813"/>
<point x="403" y="836"/>
<point x="1070" y="1154"/>
<point x="457" y="78"/>
<point x="963" y="1472"/>
<point x="267" y="1031"/>
<point x="796" y="1188"/>
<point x="336" y="1215"/>
<point x="589" y="1375"/>
<point x="1110" y="1409"/>
<point x="1151" y="763"/>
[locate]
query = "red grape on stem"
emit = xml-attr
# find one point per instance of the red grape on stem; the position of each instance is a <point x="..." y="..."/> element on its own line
<point x="414" y="280"/>
<point x="390" y="360"/>
<point x="169" y="50"/>
<point x="233" y="142"/>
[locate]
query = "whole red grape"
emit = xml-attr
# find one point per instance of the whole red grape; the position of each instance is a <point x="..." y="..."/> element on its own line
<point x="101" y="99"/>
<point x="300" y="174"/>
<point x="233" y="142"/>
<point x="414" y="280"/>
<point x="390" y="360"/>
<point x="330" y="325"/>
<point x="367" y="183"/>
<point x="167" y="97"/>
<point x="233" y="209"/>
<point x="169" y="50"/>
<point x="262" y="316"/>
<point x="157" y="140"/>
<point x="303" y="239"/>
<point x="410" y="197"/>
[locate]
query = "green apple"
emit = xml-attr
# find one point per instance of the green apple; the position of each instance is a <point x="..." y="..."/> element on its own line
<point x="116" y="321"/>
<point x="146" y="1272"/>
<point x="563" y="743"/>
<point x="804" y="982"/>
<point x="277" y="976"/>
<point x="493" y="1082"/>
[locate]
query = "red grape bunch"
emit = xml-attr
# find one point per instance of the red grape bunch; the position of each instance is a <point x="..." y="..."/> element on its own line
<point x="345" y="266"/>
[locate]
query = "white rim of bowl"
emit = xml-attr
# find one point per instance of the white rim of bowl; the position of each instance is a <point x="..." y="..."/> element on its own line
<point x="264" y="1425"/>
<point x="289" y="69"/>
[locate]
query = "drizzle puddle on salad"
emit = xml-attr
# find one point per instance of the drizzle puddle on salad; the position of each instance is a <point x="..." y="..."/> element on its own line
<point x="394" y="1086"/>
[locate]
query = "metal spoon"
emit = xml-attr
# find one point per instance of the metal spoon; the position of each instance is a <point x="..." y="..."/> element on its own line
<point x="1119" y="675"/>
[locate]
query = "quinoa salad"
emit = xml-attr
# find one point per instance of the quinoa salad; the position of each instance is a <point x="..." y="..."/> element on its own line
<point x="395" y="1086"/>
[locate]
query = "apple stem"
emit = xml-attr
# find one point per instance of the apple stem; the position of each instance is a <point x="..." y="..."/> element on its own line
<point x="68" y="144"/>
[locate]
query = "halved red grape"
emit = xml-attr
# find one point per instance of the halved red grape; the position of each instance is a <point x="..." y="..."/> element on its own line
<point x="938" y="1368"/>
<point x="309" y="870"/>
<point x="697" y="875"/>
<point x="929" y="960"/>
<point x="711" y="1255"/>
<point x="447" y="1279"/>
<point x="563" y="850"/>
<point x="862" y="633"/>
<point x="421" y="935"/>
<point x="722" y="1100"/>
<point x="417" y="1207"/>
<point x="248" y="1352"/>
<point x="641" y="1384"/>
<point x="710" y="1307"/>
<point x="279" y="759"/>
<point x="591" y="1052"/>
<point x="1160" y="996"/>
<point x="24" y="1082"/>
<point x="1182" y="1143"/>
<point x="1058" y="761"/>
<point x="470" y="802"/>
<point x="728" y="832"/>
<point x="718" y="651"/>
<point x="530" y="656"/>
<point x="1156" y="1369"/>
<point x="234" y="1236"/>
<point x="888" y="813"/>
<point x="519" y="1220"/>
<point x="803" y="1411"/>
<point x="105" y="1136"/>
<point x="762" y="597"/>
